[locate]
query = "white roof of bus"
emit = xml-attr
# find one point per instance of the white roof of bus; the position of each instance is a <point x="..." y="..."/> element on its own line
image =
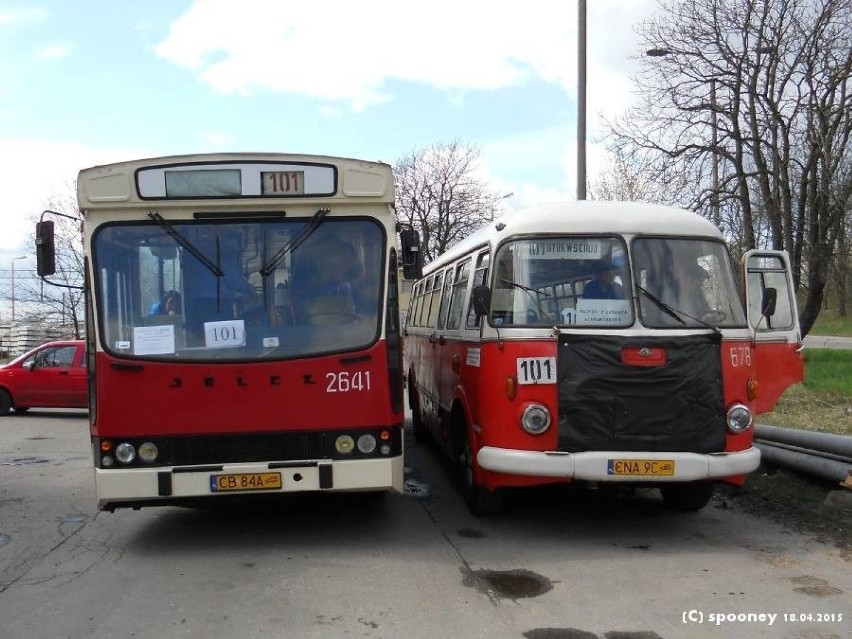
<point x="586" y="217"/>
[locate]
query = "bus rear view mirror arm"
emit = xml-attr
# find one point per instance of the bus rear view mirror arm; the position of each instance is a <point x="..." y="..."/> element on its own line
<point x="481" y="300"/>
<point x="767" y="303"/>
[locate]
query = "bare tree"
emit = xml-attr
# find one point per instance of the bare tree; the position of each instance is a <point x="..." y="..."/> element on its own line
<point x="628" y="179"/>
<point x="64" y="304"/>
<point x="440" y="195"/>
<point x="752" y="100"/>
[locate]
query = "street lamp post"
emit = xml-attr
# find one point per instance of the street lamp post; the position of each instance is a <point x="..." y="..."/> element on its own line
<point x="581" y="100"/>
<point x="714" y="198"/>
<point x="15" y="259"/>
<point x="714" y="132"/>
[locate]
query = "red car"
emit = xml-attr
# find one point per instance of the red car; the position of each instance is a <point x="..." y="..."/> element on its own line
<point x="53" y="375"/>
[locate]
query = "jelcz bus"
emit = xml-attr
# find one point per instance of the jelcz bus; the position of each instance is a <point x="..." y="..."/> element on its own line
<point x="599" y="342"/>
<point x="243" y="326"/>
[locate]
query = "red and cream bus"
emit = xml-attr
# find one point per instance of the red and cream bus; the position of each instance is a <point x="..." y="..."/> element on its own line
<point x="599" y="342"/>
<point x="243" y="326"/>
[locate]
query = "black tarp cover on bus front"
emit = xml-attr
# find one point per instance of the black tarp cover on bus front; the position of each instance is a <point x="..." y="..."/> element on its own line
<point x="606" y="404"/>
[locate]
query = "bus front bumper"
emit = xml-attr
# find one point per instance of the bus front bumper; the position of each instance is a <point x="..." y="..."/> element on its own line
<point x="619" y="466"/>
<point x="137" y="487"/>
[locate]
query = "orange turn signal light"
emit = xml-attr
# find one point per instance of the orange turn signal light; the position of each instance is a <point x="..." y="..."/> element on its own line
<point x="751" y="389"/>
<point x="106" y="445"/>
<point x="511" y="387"/>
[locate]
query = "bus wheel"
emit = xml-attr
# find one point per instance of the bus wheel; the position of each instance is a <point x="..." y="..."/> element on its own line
<point x="480" y="501"/>
<point x="421" y="435"/>
<point x="687" y="497"/>
<point x="5" y="402"/>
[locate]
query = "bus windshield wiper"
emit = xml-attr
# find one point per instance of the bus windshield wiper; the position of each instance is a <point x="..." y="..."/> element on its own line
<point x="533" y="292"/>
<point x="185" y="243"/>
<point x="293" y="244"/>
<point x="525" y="288"/>
<point x="675" y="312"/>
<point x="668" y="310"/>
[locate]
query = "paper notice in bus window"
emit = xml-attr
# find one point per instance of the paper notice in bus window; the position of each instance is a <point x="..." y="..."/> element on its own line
<point x="472" y="358"/>
<point x="154" y="340"/>
<point x="602" y="313"/>
<point x="227" y="334"/>
<point x="558" y="249"/>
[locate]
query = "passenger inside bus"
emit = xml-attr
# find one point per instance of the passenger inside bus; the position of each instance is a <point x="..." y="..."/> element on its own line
<point x="170" y="305"/>
<point x="604" y="286"/>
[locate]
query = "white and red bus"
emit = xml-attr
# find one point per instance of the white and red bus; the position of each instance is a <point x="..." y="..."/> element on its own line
<point x="243" y="326"/>
<point x="610" y="343"/>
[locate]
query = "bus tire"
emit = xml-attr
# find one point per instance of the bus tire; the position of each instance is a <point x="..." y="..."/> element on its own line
<point x="480" y="501"/>
<point x="5" y="402"/>
<point x="687" y="497"/>
<point x="421" y="435"/>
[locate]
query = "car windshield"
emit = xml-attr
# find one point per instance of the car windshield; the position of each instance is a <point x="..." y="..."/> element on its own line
<point x="225" y="291"/>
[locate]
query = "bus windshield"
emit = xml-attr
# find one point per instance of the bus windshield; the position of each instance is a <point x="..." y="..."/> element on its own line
<point x="238" y="291"/>
<point x="586" y="282"/>
<point x="685" y="283"/>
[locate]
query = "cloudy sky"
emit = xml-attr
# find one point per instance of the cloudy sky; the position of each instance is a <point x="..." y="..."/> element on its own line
<point x="95" y="81"/>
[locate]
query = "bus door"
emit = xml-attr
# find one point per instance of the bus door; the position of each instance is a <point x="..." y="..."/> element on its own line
<point x="774" y="318"/>
<point x="442" y="352"/>
<point x="452" y="348"/>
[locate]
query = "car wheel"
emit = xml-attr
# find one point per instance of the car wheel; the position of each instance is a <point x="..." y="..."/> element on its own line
<point x="687" y="497"/>
<point x="5" y="402"/>
<point x="480" y="500"/>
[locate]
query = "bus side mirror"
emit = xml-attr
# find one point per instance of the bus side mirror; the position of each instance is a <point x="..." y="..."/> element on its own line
<point x="45" y="248"/>
<point x="768" y="301"/>
<point x="481" y="300"/>
<point x="412" y="269"/>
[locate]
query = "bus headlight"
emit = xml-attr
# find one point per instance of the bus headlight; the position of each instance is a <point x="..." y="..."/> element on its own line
<point x="366" y="444"/>
<point x="344" y="444"/>
<point x="148" y="452"/>
<point x="535" y="419"/>
<point x="738" y="418"/>
<point x="125" y="453"/>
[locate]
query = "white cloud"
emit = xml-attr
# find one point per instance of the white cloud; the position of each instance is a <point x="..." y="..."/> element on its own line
<point x="32" y="172"/>
<point x="350" y="52"/>
<point x="21" y="16"/>
<point x="215" y="139"/>
<point x="54" y="51"/>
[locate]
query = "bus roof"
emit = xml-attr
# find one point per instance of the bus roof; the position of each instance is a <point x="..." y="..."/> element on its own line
<point x="585" y="217"/>
<point x="122" y="183"/>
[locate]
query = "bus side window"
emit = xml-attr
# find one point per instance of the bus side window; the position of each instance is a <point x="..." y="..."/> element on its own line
<point x="446" y="296"/>
<point x="435" y="300"/>
<point x="459" y="295"/>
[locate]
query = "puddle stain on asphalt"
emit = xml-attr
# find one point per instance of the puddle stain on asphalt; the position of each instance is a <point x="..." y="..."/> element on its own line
<point x="470" y="533"/>
<point x="21" y="461"/>
<point x="574" y="633"/>
<point x="814" y="586"/>
<point x="507" y="584"/>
